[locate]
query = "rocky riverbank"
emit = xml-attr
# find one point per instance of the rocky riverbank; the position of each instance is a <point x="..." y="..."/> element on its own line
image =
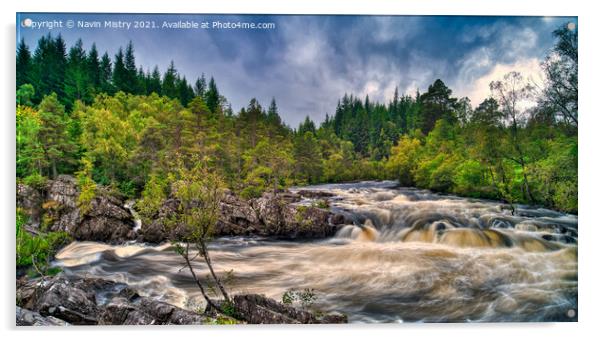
<point x="61" y="301"/>
<point x="282" y="215"/>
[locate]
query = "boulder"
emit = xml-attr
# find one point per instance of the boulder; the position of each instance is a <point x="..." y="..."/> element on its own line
<point x="146" y="311"/>
<point x="237" y="216"/>
<point x="311" y="194"/>
<point x="257" y="309"/>
<point x="283" y="217"/>
<point x="106" y="220"/>
<point x="59" y="298"/>
<point x="31" y="318"/>
<point x="30" y="200"/>
<point x="90" y="301"/>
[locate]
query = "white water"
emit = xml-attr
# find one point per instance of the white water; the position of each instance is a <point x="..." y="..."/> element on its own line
<point x="412" y="256"/>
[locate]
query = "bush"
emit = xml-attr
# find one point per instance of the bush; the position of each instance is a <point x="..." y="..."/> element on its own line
<point x="35" y="180"/>
<point x="37" y="249"/>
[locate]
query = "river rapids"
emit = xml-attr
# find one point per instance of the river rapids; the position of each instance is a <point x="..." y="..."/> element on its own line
<point x="407" y="255"/>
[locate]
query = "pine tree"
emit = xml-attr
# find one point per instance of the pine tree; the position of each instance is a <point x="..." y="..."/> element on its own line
<point x="169" y="86"/>
<point x="77" y="83"/>
<point x="54" y="135"/>
<point x="212" y="96"/>
<point x="200" y="86"/>
<point x="106" y="75"/>
<point x="94" y="70"/>
<point x="131" y="72"/>
<point x="154" y="82"/>
<point x="119" y="72"/>
<point x="24" y="64"/>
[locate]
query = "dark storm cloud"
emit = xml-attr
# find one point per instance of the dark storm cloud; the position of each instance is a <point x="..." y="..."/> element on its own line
<point x="308" y="62"/>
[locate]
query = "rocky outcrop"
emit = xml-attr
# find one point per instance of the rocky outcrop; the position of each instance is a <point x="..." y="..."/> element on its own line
<point x="91" y="301"/>
<point x="279" y="215"/>
<point x="30" y="200"/>
<point x="106" y="220"/>
<point x="283" y="217"/>
<point x="257" y="309"/>
<point x="314" y="194"/>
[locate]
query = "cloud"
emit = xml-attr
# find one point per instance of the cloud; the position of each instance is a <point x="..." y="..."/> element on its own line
<point x="479" y="89"/>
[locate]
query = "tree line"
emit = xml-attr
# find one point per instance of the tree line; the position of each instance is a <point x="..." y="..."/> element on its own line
<point x="108" y="121"/>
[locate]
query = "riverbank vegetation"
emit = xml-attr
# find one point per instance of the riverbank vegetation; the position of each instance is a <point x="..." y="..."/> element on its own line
<point x="111" y="122"/>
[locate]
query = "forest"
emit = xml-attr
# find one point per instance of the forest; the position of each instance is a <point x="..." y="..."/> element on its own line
<point x="108" y="121"/>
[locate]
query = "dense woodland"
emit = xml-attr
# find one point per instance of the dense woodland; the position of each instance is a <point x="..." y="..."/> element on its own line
<point x="108" y="121"/>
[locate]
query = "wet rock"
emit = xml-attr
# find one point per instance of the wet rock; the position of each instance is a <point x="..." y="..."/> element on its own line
<point x="311" y="194"/>
<point x="31" y="318"/>
<point x="340" y="219"/>
<point x="91" y="301"/>
<point x="257" y="309"/>
<point x="283" y="217"/>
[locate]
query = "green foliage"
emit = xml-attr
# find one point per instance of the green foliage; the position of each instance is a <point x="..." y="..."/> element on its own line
<point x="87" y="186"/>
<point x="305" y="298"/>
<point x="35" y="180"/>
<point x="37" y="250"/>
<point x="155" y="192"/>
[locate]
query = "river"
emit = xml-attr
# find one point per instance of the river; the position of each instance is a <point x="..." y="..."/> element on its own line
<point x="410" y="256"/>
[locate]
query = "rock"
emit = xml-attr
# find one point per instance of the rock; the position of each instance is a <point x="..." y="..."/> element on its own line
<point x="278" y="215"/>
<point x="89" y="301"/>
<point x="257" y="309"/>
<point x="30" y="318"/>
<point x="269" y="208"/>
<point x="306" y="222"/>
<point x="339" y="219"/>
<point x="30" y="201"/>
<point x="59" y="298"/>
<point x="311" y="194"/>
<point x="237" y="217"/>
<point x="107" y="220"/>
<point x="146" y="311"/>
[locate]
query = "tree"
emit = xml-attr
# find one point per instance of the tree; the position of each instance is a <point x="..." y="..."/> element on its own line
<point x="169" y="85"/>
<point x="437" y="103"/>
<point x="199" y="192"/>
<point x="106" y="75"/>
<point x="53" y="134"/>
<point x="308" y="166"/>
<point x="154" y="83"/>
<point x="511" y="93"/>
<point x="24" y="64"/>
<point x="94" y="69"/>
<point x="130" y="78"/>
<point x="561" y="70"/>
<point x="77" y="82"/>
<point x="200" y="86"/>
<point x="212" y="96"/>
<point x="120" y="80"/>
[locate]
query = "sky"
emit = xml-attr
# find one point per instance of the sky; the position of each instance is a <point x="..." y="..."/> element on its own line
<point x="307" y="63"/>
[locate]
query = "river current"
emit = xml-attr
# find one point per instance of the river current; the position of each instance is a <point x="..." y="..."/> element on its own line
<point x="407" y="255"/>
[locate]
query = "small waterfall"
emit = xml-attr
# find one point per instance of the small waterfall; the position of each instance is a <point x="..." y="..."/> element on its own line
<point x="129" y="205"/>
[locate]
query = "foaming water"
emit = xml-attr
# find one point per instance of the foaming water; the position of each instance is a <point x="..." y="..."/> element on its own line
<point x="410" y="255"/>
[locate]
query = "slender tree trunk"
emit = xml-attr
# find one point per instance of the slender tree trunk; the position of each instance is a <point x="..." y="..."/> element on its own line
<point x="196" y="280"/>
<point x="205" y="253"/>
